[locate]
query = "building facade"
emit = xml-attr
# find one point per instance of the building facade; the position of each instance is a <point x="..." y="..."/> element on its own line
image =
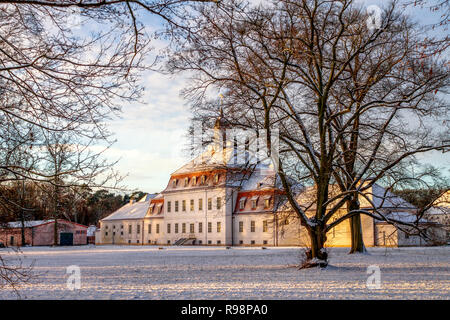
<point x="41" y="233"/>
<point x="210" y="201"/>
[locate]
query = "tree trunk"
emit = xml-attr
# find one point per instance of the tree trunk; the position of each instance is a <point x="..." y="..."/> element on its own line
<point x="22" y="213"/>
<point x="22" y="220"/>
<point x="55" y="233"/>
<point x="356" y="229"/>
<point x="316" y="256"/>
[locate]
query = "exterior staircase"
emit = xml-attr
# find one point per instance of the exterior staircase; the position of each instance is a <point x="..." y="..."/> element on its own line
<point x="184" y="242"/>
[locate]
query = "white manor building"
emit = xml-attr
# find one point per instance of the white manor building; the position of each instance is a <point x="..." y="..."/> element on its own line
<point x="209" y="202"/>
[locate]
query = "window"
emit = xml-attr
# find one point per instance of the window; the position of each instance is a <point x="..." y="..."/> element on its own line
<point x="106" y="233"/>
<point x="241" y="226"/>
<point x="209" y="241"/>
<point x="183" y="205"/>
<point x="138" y="228"/>
<point x="121" y="233"/>
<point x="159" y="208"/>
<point x="219" y="203"/>
<point x="241" y="242"/>
<point x="209" y="227"/>
<point x="191" y="228"/>
<point x="202" y="180"/>
<point x="114" y="226"/>
<point x="266" y="203"/>
<point x="200" y="204"/>
<point x="200" y="227"/>
<point x="169" y="206"/>
<point x="192" y="205"/>
<point x="216" y="178"/>
<point x="157" y="228"/>
<point x="176" y="206"/>
<point x="218" y="226"/>
<point x="176" y="227"/>
<point x="137" y="241"/>
<point x="168" y="241"/>
<point x="242" y="204"/>
<point x="252" y="226"/>
<point x="149" y="228"/>
<point x="168" y="228"/>
<point x="183" y="228"/>
<point x="130" y="229"/>
<point x="252" y="242"/>
<point x="253" y="204"/>
<point x="106" y="227"/>
<point x="264" y="241"/>
<point x="186" y="182"/>
<point x="219" y="242"/>
<point x="194" y="181"/>
<point x="199" y="241"/>
<point x="174" y="183"/>
<point x="209" y="204"/>
<point x="265" y="226"/>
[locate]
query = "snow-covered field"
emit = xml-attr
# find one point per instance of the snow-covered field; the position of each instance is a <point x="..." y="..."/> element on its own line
<point x="121" y="272"/>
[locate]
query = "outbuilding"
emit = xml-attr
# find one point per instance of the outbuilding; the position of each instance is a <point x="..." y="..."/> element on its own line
<point x="41" y="233"/>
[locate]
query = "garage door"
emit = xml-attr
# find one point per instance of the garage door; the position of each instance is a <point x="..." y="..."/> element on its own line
<point x="66" y="239"/>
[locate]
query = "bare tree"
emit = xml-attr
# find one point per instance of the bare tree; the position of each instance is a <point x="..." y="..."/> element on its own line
<point x="318" y="73"/>
<point x="65" y="67"/>
<point x="14" y="273"/>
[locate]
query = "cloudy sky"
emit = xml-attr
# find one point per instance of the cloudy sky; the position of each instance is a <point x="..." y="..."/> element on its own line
<point x="151" y="135"/>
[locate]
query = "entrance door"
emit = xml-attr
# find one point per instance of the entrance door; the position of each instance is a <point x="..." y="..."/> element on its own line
<point x="66" y="239"/>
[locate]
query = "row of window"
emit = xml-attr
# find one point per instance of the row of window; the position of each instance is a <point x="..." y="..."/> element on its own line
<point x="218" y="202"/>
<point x="254" y="202"/>
<point x="200" y="242"/>
<point x="191" y="227"/>
<point x="265" y="227"/>
<point x="195" y="181"/>
<point x="176" y="228"/>
<point x="192" y="204"/>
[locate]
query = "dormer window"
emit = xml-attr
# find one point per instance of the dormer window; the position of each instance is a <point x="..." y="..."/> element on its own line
<point x="242" y="203"/>
<point x="266" y="202"/>
<point x="186" y="182"/>
<point x="202" y="179"/>
<point x="254" y="201"/>
<point x="216" y="178"/>
<point x="194" y="181"/>
<point x="174" y="183"/>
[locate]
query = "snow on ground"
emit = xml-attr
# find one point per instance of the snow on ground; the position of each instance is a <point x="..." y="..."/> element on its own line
<point x="122" y="272"/>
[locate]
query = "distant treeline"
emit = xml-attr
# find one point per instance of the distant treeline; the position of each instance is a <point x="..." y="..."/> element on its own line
<point x="36" y="201"/>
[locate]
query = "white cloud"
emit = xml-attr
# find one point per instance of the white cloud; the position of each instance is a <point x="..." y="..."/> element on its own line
<point x="150" y="136"/>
